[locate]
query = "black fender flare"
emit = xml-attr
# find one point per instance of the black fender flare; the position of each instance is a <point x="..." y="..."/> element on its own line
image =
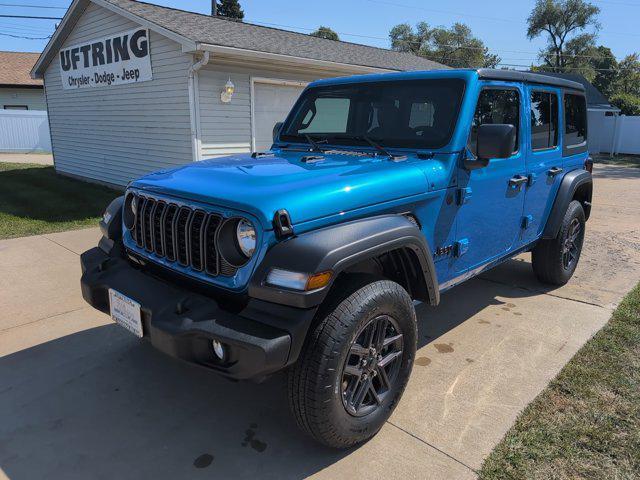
<point x="338" y="247"/>
<point x="571" y="182"/>
<point x="111" y="221"/>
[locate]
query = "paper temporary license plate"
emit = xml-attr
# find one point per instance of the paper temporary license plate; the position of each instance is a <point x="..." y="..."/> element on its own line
<point x="125" y="312"/>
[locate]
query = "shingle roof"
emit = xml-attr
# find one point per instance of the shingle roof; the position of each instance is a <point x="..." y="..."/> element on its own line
<point x="595" y="98"/>
<point x="228" y="33"/>
<point x="15" y="68"/>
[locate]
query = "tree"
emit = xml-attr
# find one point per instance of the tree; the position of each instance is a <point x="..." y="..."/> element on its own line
<point x="605" y="65"/>
<point x="560" y="20"/>
<point x="229" y="9"/>
<point x="325" y="32"/>
<point x="628" y="76"/>
<point x="455" y="46"/>
<point x="627" y="103"/>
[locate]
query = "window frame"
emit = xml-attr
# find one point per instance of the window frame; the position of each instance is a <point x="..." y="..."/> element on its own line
<point x="520" y="112"/>
<point x="16" y="107"/>
<point x="283" y="137"/>
<point x="569" y="150"/>
<point x="559" y="124"/>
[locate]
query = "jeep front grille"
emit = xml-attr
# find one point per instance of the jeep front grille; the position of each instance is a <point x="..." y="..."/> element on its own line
<point x="180" y="234"/>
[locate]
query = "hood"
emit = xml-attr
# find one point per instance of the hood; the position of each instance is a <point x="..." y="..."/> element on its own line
<point x="308" y="191"/>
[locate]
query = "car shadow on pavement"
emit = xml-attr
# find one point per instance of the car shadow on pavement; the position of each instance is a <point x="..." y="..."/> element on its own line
<point x="101" y="404"/>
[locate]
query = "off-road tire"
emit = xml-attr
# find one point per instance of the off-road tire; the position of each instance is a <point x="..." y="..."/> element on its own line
<point x="548" y="258"/>
<point x="316" y="381"/>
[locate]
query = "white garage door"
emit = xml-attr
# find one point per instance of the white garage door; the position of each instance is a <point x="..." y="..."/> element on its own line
<point x="272" y="103"/>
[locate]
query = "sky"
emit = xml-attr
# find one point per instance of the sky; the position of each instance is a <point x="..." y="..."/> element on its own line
<point x="500" y="24"/>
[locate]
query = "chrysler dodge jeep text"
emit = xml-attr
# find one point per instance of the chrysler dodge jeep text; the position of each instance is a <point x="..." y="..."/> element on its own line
<point x="379" y="191"/>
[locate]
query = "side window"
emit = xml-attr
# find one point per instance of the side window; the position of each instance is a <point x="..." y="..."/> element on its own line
<point x="575" y="120"/>
<point x="496" y="106"/>
<point x="328" y="115"/>
<point x="544" y="120"/>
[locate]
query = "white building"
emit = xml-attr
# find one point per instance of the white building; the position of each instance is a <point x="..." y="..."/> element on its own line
<point x="133" y="87"/>
<point x="18" y="91"/>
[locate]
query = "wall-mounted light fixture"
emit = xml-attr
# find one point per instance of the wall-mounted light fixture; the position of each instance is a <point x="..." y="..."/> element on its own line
<point x="227" y="91"/>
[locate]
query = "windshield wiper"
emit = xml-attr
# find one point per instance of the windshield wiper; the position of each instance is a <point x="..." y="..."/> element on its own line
<point x="377" y="146"/>
<point x="315" y="147"/>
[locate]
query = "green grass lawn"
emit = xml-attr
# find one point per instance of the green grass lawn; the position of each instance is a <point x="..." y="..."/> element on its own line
<point x="625" y="160"/>
<point x="586" y="423"/>
<point x="34" y="199"/>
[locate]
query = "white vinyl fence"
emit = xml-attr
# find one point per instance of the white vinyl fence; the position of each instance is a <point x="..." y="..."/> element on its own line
<point x="24" y="131"/>
<point x="615" y="134"/>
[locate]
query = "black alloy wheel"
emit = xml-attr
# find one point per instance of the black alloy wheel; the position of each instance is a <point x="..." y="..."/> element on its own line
<point x="372" y="366"/>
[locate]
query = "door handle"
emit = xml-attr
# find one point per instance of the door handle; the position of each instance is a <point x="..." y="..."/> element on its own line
<point x="553" y="171"/>
<point x="515" y="182"/>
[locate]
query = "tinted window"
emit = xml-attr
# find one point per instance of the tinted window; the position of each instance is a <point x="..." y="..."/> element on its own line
<point x="331" y="115"/>
<point x="544" y="120"/>
<point x="496" y="106"/>
<point x="409" y="113"/>
<point x="421" y="115"/>
<point x="575" y="119"/>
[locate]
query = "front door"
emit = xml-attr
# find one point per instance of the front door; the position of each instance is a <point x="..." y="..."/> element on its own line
<point x="544" y="161"/>
<point x="489" y="222"/>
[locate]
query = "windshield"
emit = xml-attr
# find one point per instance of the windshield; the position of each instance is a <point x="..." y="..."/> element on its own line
<point x="418" y="114"/>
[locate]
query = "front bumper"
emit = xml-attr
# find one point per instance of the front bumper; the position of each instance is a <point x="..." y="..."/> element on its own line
<point x="261" y="339"/>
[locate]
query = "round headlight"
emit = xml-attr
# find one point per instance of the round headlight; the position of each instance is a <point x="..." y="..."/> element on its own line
<point x="246" y="235"/>
<point x="129" y="213"/>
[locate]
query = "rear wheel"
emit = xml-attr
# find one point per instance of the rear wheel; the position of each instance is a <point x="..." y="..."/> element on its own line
<point x="355" y="365"/>
<point x="555" y="260"/>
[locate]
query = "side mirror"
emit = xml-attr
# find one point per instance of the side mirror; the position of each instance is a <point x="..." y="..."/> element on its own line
<point x="276" y="130"/>
<point x="496" y="141"/>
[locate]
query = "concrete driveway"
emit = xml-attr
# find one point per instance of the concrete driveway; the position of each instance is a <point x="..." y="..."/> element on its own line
<point x="81" y="398"/>
<point x="39" y="158"/>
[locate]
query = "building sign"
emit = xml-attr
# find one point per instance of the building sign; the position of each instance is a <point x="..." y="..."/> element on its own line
<point x="114" y="60"/>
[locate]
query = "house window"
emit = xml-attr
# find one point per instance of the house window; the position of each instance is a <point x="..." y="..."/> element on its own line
<point x="16" y="107"/>
<point x="575" y="120"/>
<point x="496" y="106"/>
<point x="544" y="120"/>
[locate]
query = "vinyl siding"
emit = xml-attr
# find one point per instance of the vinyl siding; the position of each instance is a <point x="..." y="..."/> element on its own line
<point x="31" y="97"/>
<point x="118" y="133"/>
<point x="225" y="128"/>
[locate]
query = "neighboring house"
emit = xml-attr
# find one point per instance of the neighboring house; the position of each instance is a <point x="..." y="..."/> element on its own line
<point x="194" y="86"/>
<point x="18" y="91"/>
<point x="598" y="109"/>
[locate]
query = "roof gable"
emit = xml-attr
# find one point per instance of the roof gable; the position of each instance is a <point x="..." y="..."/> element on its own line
<point x="195" y="30"/>
<point x="594" y="96"/>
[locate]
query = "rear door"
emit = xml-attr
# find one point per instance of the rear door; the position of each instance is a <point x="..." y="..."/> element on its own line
<point x="489" y="223"/>
<point x="272" y="101"/>
<point x="544" y="159"/>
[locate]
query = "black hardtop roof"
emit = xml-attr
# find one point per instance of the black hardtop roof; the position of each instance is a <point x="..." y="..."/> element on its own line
<point x="528" y="77"/>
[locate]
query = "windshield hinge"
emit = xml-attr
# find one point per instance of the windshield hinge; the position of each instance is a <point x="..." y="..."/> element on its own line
<point x="262" y="154"/>
<point x="464" y="195"/>
<point x="423" y="155"/>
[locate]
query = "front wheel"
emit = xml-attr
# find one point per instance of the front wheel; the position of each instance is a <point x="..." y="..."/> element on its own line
<point x="355" y="365"/>
<point x="555" y="260"/>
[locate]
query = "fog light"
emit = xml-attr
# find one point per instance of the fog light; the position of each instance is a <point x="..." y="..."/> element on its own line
<point x="219" y="350"/>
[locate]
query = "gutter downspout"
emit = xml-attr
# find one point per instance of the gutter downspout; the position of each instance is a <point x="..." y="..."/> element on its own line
<point x="194" y="104"/>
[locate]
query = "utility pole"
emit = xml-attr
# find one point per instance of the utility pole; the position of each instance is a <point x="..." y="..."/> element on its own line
<point x="214" y="8"/>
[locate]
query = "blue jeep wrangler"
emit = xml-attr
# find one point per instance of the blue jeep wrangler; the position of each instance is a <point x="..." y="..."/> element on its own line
<point x="378" y="191"/>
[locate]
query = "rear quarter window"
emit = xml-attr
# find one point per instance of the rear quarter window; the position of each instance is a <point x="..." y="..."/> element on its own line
<point x="575" y="124"/>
